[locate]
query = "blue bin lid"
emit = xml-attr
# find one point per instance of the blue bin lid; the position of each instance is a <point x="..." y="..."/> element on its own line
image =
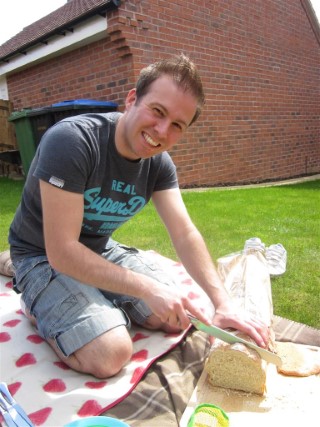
<point x="86" y="102"/>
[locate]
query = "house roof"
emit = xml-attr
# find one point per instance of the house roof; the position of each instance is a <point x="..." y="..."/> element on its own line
<point x="60" y="21"/>
<point x="73" y="12"/>
<point x="312" y="17"/>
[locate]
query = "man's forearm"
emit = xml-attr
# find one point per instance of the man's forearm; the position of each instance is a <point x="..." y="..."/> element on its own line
<point x="195" y="257"/>
<point x="84" y="265"/>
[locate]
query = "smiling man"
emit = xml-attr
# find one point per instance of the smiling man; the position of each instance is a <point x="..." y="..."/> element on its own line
<point x="154" y="123"/>
<point x="91" y="173"/>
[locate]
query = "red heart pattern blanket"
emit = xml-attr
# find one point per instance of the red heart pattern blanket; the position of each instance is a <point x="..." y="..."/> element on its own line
<point x="51" y="393"/>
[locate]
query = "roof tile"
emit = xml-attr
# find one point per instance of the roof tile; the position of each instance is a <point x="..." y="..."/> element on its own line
<point x="72" y="11"/>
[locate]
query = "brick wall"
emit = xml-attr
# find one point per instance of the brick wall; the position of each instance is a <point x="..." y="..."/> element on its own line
<point x="91" y="72"/>
<point x="259" y="61"/>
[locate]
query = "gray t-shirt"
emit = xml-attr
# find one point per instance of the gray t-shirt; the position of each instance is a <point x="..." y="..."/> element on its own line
<point x="79" y="155"/>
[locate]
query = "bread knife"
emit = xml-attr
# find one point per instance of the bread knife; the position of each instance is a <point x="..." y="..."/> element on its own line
<point x="232" y="339"/>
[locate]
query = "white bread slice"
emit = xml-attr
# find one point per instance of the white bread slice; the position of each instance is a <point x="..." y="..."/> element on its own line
<point x="298" y="360"/>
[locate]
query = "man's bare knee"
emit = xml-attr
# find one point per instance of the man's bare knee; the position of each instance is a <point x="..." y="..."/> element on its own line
<point x="103" y="357"/>
<point x="111" y="365"/>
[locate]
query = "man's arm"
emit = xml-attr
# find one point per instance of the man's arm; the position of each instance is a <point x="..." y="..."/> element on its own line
<point x="192" y="251"/>
<point x="62" y="221"/>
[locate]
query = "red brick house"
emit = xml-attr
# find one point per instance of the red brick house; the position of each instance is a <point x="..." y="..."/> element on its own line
<point x="259" y="59"/>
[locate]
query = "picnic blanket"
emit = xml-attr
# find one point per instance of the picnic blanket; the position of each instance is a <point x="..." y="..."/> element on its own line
<point x="50" y="392"/>
<point x="161" y="398"/>
<point x="152" y="391"/>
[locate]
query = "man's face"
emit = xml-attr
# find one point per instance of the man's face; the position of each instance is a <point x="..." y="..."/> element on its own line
<point x="156" y="122"/>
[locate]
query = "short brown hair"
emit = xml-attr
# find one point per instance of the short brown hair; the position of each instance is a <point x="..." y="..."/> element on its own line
<point x="182" y="70"/>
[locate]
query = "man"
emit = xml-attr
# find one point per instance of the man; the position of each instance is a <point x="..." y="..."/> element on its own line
<point x="89" y="175"/>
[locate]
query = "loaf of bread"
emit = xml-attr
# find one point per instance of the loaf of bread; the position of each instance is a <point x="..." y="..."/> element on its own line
<point x="235" y="366"/>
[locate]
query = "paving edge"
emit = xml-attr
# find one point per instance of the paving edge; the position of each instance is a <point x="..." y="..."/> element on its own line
<point x="263" y="184"/>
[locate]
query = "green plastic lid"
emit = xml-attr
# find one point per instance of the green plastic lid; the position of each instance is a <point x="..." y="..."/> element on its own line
<point x="207" y="415"/>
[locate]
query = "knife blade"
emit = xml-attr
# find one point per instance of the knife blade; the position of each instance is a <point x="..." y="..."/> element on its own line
<point x="232" y="339"/>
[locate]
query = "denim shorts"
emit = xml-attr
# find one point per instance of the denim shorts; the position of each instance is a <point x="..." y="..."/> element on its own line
<point x="73" y="313"/>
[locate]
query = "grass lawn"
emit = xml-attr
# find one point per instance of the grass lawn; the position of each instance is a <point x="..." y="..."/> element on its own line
<point x="288" y="214"/>
<point x="10" y="192"/>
